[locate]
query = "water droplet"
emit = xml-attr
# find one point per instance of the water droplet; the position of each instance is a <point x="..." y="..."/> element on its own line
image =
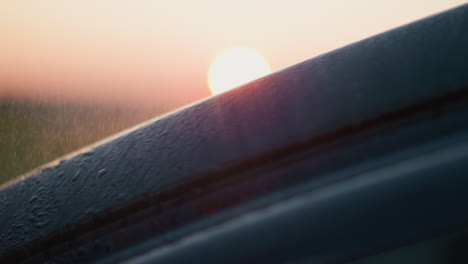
<point x="102" y="172"/>
<point x="76" y="176"/>
<point x="89" y="153"/>
<point x="33" y="199"/>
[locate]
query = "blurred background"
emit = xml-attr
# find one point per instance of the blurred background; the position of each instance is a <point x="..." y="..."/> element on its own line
<point x="74" y="72"/>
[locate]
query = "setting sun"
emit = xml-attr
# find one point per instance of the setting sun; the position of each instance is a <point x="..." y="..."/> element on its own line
<point x="234" y="67"/>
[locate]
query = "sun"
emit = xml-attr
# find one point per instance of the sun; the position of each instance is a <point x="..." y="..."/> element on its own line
<point x="234" y="67"/>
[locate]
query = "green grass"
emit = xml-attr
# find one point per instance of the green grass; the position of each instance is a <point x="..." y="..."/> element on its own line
<point x="32" y="134"/>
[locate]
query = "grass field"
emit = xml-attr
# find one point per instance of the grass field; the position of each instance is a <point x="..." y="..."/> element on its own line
<point x="32" y="134"/>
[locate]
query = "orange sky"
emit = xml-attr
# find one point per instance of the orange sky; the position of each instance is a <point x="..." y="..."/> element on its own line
<point x="147" y="52"/>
